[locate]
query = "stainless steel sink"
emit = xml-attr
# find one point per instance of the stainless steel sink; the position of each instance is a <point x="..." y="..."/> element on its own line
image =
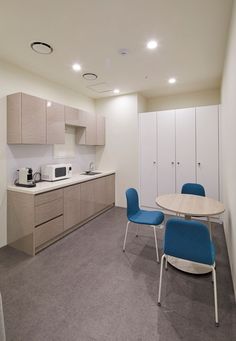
<point x="90" y="173"/>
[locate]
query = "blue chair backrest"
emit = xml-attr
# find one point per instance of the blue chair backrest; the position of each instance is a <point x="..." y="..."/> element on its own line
<point x="189" y="240"/>
<point x="132" y="202"/>
<point x="195" y="189"/>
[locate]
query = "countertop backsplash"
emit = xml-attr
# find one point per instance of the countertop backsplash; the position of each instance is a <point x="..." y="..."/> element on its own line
<point x="36" y="155"/>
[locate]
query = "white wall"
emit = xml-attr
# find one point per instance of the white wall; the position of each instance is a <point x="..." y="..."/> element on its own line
<point x="186" y="100"/>
<point x="14" y="79"/>
<point x="121" y="149"/>
<point x="228" y="124"/>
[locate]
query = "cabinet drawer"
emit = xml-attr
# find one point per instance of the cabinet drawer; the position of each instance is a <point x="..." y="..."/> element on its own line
<point x="48" y="196"/>
<point x="49" y="230"/>
<point x="48" y="211"/>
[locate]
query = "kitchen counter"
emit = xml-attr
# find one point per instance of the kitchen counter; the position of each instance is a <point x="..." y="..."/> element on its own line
<point x="46" y="186"/>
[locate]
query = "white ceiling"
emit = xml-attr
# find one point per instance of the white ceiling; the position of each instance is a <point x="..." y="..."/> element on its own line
<point x="192" y="36"/>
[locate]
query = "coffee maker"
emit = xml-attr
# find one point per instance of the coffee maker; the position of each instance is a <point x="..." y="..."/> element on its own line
<point x="25" y="177"/>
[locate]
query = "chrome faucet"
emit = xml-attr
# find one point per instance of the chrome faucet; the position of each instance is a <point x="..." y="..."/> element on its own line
<point x="91" y="166"/>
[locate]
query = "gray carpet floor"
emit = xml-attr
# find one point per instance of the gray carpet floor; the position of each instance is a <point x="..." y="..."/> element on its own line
<point x="84" y="288"/>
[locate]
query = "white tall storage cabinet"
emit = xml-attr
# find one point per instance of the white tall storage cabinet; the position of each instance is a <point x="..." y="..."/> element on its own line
<point x="165" y="139"/>
<point x="185" y="147"/>
<point x="207" y="149"/>
<point x="148" y="157"/>
<point x="178" y="146"/>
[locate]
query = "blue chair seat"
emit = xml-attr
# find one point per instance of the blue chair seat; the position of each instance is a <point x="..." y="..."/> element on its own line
<point x="147" y="217"/>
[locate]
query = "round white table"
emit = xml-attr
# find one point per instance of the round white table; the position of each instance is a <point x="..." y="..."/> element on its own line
<point x="190" y="206"/>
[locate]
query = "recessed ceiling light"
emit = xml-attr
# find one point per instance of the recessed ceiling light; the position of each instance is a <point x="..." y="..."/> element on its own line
<point x="172" y="80"/>
<point x="90" y="76"/>
<point x="152" y="44"/>
<point x="123" y="52"/>
<point x="76" y="67"/>
<point x="116" y="91"/>
<point x="40" y="47"/>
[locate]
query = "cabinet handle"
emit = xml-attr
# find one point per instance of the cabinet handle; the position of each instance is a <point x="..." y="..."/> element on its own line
<point x="172" y="163"/>
<point x="178" y="163"/>
<point x="154" y="162"/>
<point x="199" y="163"/>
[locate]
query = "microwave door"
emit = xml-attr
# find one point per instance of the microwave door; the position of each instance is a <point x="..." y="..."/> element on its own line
<point x="60" y="172"/>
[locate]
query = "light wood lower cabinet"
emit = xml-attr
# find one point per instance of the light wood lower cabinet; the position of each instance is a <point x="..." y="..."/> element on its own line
<point x="36" y="221"/>
<point x="47" y="231"/>
<point x="72" y="215"/>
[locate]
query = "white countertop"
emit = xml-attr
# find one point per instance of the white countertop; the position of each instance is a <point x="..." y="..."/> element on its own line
<point x="46" y="186"/>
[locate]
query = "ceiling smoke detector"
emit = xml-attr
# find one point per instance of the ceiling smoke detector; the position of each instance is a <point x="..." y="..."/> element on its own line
<point x="40" y="47"/>
<point x="89" y="76"/>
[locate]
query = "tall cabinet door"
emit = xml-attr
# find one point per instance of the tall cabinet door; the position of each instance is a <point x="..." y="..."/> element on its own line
<point x="33" y="120"/>
<point x="166" y="152"/>
<point x="148" y="161"/>
<point x="185" y="147"/>
<point x="207" y="136"/>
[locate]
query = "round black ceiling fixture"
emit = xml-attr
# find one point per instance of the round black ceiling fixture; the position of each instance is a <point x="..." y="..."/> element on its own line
<point x="42" y="48"/>
<point x="90" y="76"/>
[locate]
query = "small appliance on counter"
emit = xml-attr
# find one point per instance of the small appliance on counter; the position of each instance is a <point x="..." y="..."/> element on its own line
<point x="56" y="172"/>
<point x="25" y="177"/>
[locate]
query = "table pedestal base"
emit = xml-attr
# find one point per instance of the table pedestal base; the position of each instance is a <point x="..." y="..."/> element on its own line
<point x="187" y="266"/>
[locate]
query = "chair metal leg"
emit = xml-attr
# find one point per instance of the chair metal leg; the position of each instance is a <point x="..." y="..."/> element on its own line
<point x="155" y="236"/>
<point x="166" y="263"/>
<point x="209" y="225"/>
<point x="215" y="297"/>
<point x="126" y="231"/>
<point x="160" y="281"/>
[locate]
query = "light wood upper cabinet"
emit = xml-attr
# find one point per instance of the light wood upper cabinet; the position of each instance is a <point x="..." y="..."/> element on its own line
<point x="55" y="123"/>
<point x="91" y="130"/>
<point x="100" y="131"/>
<point x="30" y="120"/>
<point x="26" y="119"/>
<point x="94" y="132"/>
<point x="14" y="118"/>
<point x="33" y="114"/>
<point x="33" y="120"/>
<point x="75" y="117"/>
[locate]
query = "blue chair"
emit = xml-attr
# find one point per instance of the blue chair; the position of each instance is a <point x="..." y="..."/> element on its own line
<point x="138" y="216"/>
<point x="189" y="240"/>
<point x="195" y="189"/>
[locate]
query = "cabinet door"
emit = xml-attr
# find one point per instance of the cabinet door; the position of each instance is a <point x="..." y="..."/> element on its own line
<point x="71" y="116"/>
<point x="207" y="135"/>
<point x="166" y="152"/>
<point x="100" y="194"/>
<point x="87" y="202"/>
<point x="72" y="214"/>
<point x="185" y="147"/>
<point x="148" y="155"/>
<point x="100" y="131"/>
<point x="55" y="123"/>
<point x="104" y="192"/>
<point x="14" y="118"/>
<point x="91" y="129"/>
<point x="33" y="120"/>
<point x="110" y="189"/>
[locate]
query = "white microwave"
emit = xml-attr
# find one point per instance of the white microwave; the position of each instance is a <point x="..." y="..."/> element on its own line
<point x="56" y="172"/>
